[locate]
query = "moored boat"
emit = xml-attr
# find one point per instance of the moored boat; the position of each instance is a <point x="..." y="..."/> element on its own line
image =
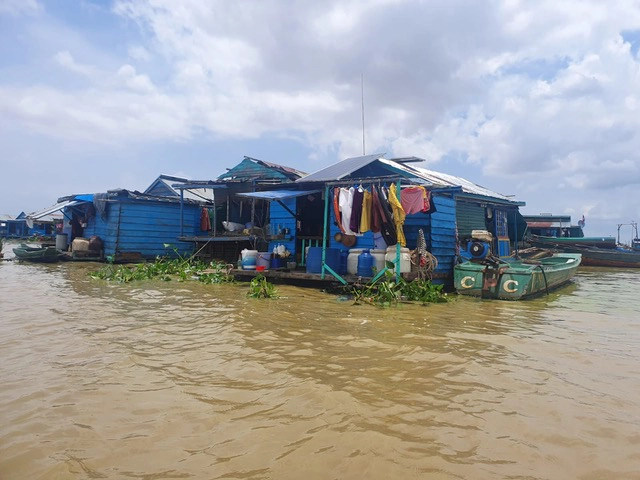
<point x="620" y="257"/>
<point x="551" y="242"/>
<point x="40" y="254"/>
<point x="517" y="279"/>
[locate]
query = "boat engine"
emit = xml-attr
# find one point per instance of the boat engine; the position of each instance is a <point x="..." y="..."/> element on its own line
<point x="478" y="250"/>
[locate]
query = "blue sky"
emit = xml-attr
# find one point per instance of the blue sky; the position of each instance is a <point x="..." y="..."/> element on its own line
<point x="537" y="99"/>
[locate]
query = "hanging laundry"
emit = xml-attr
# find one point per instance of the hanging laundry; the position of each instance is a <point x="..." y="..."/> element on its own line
<point x="346" y="204"/>
<point x="365" y="217"/>
<point x="336" y="208"/>
<point x="429" y="205"/>
<point x="376" y="215"/>
<point x="387" y="227"/>
<point x="398" y="214"/>
<point x="356" y="209"/>
<point x="413" y="199"/>
<point x="205" y="220"/>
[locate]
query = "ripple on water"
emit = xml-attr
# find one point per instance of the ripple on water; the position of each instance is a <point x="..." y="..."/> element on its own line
<point x="171" y="380"/>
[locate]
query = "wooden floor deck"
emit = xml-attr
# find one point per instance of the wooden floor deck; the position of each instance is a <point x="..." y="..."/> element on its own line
<point x="299" y="277"/>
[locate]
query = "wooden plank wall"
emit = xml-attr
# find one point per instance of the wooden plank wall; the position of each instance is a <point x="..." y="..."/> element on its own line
<point x="144" y="227"/>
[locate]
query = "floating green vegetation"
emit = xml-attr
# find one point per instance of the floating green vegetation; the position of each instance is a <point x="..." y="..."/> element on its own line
<point x="261" y="288"/>
<point x="167" y="269"/>
<point x="387" y="292"/>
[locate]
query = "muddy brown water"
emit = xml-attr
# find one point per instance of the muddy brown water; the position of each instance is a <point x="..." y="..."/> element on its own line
<point x="155" y="380"/>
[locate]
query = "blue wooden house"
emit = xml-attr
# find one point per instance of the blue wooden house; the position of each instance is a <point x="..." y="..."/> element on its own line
<point x="133" y="226"/>
<point x="305" y="211"/>
<point x="22" y="226"/>
<point x="237" y="222"/>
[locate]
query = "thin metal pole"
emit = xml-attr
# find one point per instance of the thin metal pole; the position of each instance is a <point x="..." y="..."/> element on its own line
<point x="362" y="101"/>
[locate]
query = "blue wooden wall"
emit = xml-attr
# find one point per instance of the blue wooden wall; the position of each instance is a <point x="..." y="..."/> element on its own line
<point x="442" y="241"/>
<point x="281" y="219"/>
<point x="144" y="227"/>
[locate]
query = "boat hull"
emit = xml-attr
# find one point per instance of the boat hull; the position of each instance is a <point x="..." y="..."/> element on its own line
<point x="515" y="280"/>
<point x="37" y="254"/>
<point x="547" y="242"/>
<point x="605" y="257"/>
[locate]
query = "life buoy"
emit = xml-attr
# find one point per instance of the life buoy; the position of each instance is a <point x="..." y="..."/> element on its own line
<point x="464" y="283"/>
<point x="506" y="286"/>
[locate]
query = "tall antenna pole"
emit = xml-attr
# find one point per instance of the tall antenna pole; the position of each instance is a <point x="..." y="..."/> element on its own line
<point x="362" y="100"/>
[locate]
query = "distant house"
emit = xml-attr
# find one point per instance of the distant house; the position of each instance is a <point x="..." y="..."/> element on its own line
<point x="548" y="225"/>
<point x="22" y="227"/>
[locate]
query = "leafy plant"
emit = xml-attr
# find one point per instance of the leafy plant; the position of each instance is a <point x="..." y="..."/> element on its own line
<point x="388" y="292"/>
<point x="181" y="268"/>
<point x="261" y="288"/>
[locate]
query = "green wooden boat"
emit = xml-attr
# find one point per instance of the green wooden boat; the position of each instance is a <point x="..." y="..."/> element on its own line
<point x="38" y="254"/>
<point x="516" y="279"/>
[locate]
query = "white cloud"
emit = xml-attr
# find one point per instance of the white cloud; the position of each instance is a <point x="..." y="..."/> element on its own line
<point x="528" y="93"/>
<point x="19" y="7"/>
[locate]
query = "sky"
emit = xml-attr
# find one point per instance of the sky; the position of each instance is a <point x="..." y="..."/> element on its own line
<point x="539" y="100"/>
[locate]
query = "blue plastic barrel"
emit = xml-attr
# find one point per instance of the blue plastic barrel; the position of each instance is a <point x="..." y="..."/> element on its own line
<point x="314" y="259"/>
<point x="344" y="256"/>
<point x="365" y="264"/>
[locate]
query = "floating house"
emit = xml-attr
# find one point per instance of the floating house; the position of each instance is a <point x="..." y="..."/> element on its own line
<point x="306" y="215"/>
<point x="23" y="227"/>
<point x="131" y="226"/>
<point x="237" y="222"/>
<point x="548" y="225"/>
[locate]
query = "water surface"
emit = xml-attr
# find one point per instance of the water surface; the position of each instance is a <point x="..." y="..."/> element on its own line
<point x="158" y="380"/>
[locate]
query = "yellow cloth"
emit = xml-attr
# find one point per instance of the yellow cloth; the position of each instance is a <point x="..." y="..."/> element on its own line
<point x="398" y="214"/>
<point x="365" y="218"/>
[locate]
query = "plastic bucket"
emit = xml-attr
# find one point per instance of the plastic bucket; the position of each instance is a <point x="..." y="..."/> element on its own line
<point x="249" y="258"/>
<point x="263" y="260"/>
<point x="62" y="242"/>
<point x="276" y="262"/>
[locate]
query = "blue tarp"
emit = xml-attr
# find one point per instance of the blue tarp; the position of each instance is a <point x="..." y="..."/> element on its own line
<point x="278" y="194"/>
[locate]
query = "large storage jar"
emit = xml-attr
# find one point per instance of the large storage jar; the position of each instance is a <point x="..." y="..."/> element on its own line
<point x="352" y="260"/>
<point x="378" y="259"/>
<point x="405" y="258"/>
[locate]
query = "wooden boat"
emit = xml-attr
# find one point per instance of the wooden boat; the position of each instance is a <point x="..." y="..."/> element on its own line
<point x="515" y="279"/>
<point x="605" y="257"/>
<point x="552" y="242"/>
<point x="38" y="254"/>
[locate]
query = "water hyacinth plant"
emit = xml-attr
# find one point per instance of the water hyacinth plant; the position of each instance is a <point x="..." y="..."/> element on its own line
<point x="261" y="288"/>
<point x="163" y="268"/>
<point x="388" y="292"/>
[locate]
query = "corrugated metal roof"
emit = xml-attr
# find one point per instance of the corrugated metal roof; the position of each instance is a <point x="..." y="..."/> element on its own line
<point x="254" y="169"/>
<point x="172" y="186"/>
<point x="419" y="175"/>
<point x="444" y="179"/>
<point x="342" y="169"/>
<point x="52" y="209"/>
<point x="278" y="194"/>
